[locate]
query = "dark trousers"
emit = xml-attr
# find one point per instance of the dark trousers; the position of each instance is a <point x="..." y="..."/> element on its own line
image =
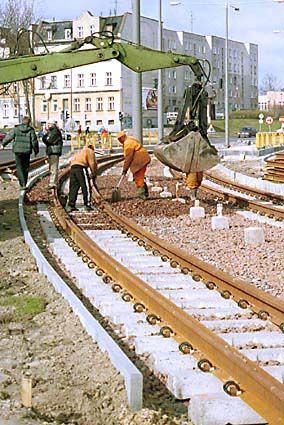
<point x="22" y="164"/>
<point x="79" y="178"/>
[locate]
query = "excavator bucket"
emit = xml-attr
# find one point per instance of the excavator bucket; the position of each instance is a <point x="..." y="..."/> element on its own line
<point x="189" y="154"/>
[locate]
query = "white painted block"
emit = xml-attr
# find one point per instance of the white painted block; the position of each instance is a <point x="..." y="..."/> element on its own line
<point x="219" y="222"/>
<point x="254" y="235"/>
<point x="221" y="409"/>
<point x="196" y="212"/>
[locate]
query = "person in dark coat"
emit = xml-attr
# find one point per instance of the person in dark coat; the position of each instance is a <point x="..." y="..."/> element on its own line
<point x="25" y="141"/>
<point x="53" y="141"/>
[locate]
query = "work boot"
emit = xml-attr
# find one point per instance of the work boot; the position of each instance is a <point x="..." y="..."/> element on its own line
<point x="87" y="208"/>
<point x="142" y="192"/>
<point x="146" y="190"/>
<point x="193" y="194"/>
<point x="70" y="208"/>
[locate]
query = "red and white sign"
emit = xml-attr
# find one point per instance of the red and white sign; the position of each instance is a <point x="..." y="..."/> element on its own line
<point x="281" y="119"/>
<point x="269" y="120"/>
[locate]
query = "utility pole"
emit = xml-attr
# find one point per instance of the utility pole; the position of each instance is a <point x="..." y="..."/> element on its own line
<point x="160" y="79"/>
<point x="136" y="77"/>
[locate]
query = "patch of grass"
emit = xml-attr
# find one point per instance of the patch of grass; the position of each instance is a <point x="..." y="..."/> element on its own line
<point x="236" y="123"/>
<point x="25" y="305"/>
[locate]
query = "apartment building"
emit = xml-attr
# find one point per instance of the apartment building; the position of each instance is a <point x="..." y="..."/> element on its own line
<point x="96" y="94"/>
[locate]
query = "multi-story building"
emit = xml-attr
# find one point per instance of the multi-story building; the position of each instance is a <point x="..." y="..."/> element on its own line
<point x="272" y="101"/>
<point x="95" y="95"/>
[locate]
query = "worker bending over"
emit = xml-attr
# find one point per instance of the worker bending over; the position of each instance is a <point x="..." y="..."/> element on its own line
<point x="193" y="182"/>
<point x="136" y="158"/>
<point x="79" y="177"/>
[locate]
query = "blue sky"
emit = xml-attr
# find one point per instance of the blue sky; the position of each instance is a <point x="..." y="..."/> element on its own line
<point x="254" y="23"/>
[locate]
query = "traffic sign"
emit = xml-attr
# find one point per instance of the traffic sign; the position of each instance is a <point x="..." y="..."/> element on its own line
<point x="261" y="116"/>
<point x="281" y="119"/>
<point x="269" y="120"/>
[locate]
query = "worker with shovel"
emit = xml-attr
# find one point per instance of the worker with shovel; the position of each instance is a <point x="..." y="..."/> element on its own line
<point x="79" y="177"/>
<point x="136" y="158"/>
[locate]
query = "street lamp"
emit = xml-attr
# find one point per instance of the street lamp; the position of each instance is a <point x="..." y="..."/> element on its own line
<point x="177" y="3"/>
<point x="227" y="139"/>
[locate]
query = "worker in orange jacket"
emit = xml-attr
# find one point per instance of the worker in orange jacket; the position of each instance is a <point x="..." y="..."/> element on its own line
<point x="136" y="158"/>
<point x="79" y="177"/>
<point x="193" y="182"/>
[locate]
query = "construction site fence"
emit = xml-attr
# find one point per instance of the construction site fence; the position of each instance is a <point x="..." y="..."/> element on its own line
<point x="269" y="139"/>
<point x="106" y="141"/>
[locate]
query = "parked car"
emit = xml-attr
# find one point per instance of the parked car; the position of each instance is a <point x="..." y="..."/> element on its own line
<point x="247" y="132"/>
<point x="2" y="134"/>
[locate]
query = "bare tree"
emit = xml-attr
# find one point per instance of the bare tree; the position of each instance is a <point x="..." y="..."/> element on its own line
<point x="269" y="83"/>
<point x="16" y="17"/>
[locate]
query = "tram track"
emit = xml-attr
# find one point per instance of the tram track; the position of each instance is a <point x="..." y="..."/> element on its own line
<point x="182" y="327"/>
<point x="257" y="200"/>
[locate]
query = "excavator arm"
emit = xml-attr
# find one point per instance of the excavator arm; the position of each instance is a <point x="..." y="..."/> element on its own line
<point x="192" y="117"/>
<point x="137" y="58"/>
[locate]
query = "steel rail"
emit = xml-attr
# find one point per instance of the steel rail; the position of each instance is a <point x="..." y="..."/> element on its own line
<point x="256" y="206"/>
<point x="259" y="389"/>
<point x="242" y="187"/>
<point x="34" y="163"/>
<point x="239" y="289"/>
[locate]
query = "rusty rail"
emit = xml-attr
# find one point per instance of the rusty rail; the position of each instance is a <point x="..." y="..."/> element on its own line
<point x="259" y="389"/>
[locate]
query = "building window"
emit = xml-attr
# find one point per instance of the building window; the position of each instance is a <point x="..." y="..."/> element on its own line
<point x="44" y="106"/>
<point x="108" y="79"/>
<point x="99" y="122"/>
<point x="54" y="105"/>
<point x="174" y="89"/>
<point x="80" y="80"/>
<point x="42" y="82"/>
<point x="169" y="74"/>
<point x="49" y="35"/>
<point x="80" y="32"/>
<point x="99" y="103"/>
<point x="174" y="75"/>
<point x="88" y="104"/>
<point x="16" y="111"/>
<point x="93" y="79"/>
<point x="77" y="105"/>
<point x="5" y="110"/>
<point x="110" y="122"/>
<point x="92" y="29"/>
<point x="186" y="75"/>
<point x="67" y="33"/>
<point x="111" y="103"/>
<point x="67" y="81"/>
<point x="53" y="82"/>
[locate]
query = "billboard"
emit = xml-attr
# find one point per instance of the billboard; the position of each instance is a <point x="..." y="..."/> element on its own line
<point x="149" y="98"/>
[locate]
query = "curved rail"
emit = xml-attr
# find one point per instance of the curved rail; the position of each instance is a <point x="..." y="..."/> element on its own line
<point x="10" y="166"/>
<point x="260" y="390"/>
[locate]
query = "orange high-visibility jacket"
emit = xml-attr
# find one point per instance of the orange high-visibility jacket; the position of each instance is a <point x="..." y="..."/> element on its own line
<point x="135" y="155"/>
<point x="85" y="157"/>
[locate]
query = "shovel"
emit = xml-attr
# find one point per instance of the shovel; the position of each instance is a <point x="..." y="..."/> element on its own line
<point x="115" y="194"/>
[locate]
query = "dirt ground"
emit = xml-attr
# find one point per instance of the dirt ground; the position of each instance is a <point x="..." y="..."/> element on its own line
<point x="73" y="381"/>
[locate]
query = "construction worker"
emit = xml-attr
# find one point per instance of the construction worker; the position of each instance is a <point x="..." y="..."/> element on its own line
<point x="193" y="181"/>
<point x="136" y="158"/>
<point x="25" y="141"/>
<point x="53" y="141"/>
<point x="79" y="177"/>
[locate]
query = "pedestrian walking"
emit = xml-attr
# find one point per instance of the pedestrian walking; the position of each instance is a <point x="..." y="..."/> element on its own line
<point x="79" y="131"/>
<point x="54" y="142"/>
<point x="87" y="131"/>
<point x="25" y="142"/>
<point x="79" y="177"/>
<point x="136" y="158"/>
